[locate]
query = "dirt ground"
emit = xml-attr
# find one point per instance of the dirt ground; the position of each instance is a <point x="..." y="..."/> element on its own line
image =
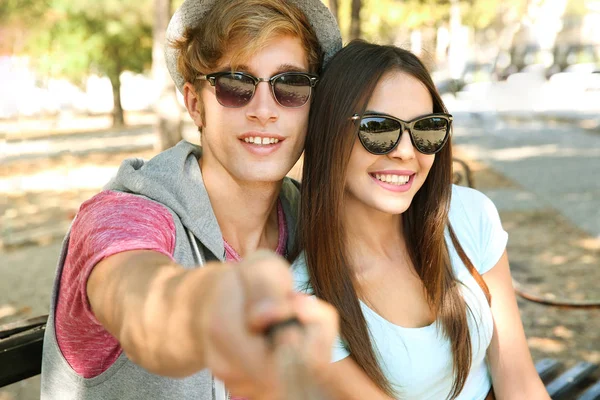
<point x="551" y="257"/>
<point x="548" y="255"/>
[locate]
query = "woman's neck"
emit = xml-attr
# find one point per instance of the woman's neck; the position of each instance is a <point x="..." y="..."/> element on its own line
<point x="372" y="234"/>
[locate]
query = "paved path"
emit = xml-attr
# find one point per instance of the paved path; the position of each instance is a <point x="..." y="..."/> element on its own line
<point x="127" y="139"/>
<point x="556" y="166"/>
<point x="131" y="138"/>
<point x="26" y="278"/>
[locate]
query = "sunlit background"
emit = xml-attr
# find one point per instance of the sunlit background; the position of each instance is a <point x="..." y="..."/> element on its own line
<point x="66" y="59"/>
<point x="83" y="85"/>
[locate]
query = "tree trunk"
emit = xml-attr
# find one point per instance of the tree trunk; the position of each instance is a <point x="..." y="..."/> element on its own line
<point x="117" y="113"/>
<point x="355" y="19"/>
<point x="456" y="50"/>
<point x="168" y="126"/>
<point x="333" y="7"/>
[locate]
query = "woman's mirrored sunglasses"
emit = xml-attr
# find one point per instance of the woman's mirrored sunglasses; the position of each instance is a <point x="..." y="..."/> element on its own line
<point x="381" y="133"/>
<point x="236" y="89"/>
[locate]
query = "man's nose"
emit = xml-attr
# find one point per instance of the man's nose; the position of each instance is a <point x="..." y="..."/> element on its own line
<point x="263" y="107"/>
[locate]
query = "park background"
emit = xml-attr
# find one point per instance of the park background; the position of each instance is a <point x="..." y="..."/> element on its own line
<point x="83" y="85"/>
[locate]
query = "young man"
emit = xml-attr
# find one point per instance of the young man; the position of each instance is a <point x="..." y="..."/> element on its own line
<point x="132" y="315"/>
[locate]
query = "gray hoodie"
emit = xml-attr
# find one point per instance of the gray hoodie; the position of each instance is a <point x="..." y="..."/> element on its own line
<point x="173" y="179"/>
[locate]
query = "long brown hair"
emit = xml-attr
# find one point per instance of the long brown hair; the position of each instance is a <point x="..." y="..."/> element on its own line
<point x="345" y="89"/>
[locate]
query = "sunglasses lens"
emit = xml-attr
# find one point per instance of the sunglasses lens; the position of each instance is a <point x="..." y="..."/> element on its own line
<point x="429" y="134"/>
<point x="292" y="90"/>
<point x="379" y="135"/>
<point x="234" y="90"/>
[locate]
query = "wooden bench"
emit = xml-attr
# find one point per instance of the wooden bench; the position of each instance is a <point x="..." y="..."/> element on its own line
<point x="461" y="173"/>
<point x="21" y="358"/>
<point x="574" y="383"/>
<point x="21" y="349"/>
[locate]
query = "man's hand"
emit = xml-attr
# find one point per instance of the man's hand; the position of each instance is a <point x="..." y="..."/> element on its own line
<point x="175" y="322"/>
<point x="244" y="300"/>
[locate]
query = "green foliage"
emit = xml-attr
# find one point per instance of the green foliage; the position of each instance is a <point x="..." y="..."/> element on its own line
<point x="482" y="14"/>
<point x="78" y="37"/>
<point x="382" y="19"/>
<point x="577" y="7"/>
<point x="15" y="18"/>
<point x="12" y="11"/>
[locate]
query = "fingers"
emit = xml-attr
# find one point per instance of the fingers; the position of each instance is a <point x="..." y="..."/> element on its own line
<point x="259" y="294"/>
<point x="250" y="297"/>
<point x="321" y="326"/>
<point x="268" y="289"/>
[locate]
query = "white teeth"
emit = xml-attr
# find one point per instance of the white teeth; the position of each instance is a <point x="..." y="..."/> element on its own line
<point x="261" y="141"/>
<point x="393" y="179"/>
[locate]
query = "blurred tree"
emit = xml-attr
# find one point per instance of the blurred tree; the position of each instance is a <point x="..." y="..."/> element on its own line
<point x="333" y="6"/>
<point x="15" y="17"/>
<point x="383" y="20"/>
<point x="19" y="9"/>
<point x="168" y="114"/>
<point x="355" y="19"/>
<point x="80" y="37"/>
<point x="578" y="7"/>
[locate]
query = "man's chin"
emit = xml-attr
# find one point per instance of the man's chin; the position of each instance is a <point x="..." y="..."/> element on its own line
<point x="276" y="169"/>
<point x="263" y="176"/>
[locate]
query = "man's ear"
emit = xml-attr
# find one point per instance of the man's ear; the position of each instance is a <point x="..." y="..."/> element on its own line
<point x="193" y="103"/>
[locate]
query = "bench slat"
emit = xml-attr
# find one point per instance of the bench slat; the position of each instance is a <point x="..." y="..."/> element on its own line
<point x="547" y="367"/>
<point x="593" y="393"/>
<point x="21" y="355"/>
<point x="568" y="380"/>
<point x="7" y="330"/>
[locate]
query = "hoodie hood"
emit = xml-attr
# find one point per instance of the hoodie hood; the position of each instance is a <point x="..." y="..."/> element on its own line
<point x="173" y="178"/>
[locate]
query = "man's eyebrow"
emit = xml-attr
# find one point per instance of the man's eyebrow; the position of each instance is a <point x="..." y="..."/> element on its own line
<point x="227" y="68"/>
<point x="290" y="68"/>
<point x="281" y="68"/>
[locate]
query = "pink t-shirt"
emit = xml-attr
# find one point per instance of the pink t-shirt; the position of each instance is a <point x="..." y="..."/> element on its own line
<point x="107" y="224"/>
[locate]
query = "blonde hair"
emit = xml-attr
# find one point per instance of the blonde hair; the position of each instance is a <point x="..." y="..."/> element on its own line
<point x="247" y="26"/>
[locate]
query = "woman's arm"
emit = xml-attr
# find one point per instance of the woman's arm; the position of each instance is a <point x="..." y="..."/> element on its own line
<point x="513" y="372"/>
<point x="345" y="380"/>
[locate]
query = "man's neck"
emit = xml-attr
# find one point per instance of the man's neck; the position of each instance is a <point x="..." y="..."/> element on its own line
<point x="246" y="211"/>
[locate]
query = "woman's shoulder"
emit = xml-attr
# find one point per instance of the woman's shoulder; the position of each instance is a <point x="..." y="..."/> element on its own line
<point x="468" y="204"/>
<point x="476" y="222"/>
<point x="468" y="196"/>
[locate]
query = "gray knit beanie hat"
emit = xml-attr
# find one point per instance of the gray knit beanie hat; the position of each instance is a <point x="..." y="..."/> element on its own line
<point x="191" y="13"/>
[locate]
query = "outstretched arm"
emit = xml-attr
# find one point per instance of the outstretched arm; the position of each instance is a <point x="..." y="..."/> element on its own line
<point x="175" y="322"/>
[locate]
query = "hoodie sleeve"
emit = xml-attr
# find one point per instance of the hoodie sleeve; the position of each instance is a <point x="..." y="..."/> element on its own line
<point x="107" y="224"/>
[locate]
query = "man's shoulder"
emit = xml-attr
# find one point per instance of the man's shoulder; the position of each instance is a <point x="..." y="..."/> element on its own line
<point x="119" y="208"/>
<point x="290" y="190"/>
<point x="116" y="200"/>
<point x="292" y="184"/>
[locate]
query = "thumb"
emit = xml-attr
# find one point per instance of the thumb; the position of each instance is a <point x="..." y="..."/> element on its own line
<point x="268" y="289"/>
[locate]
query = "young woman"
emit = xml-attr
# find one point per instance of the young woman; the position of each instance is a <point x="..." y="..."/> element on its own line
<point x="410" y="261"/>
